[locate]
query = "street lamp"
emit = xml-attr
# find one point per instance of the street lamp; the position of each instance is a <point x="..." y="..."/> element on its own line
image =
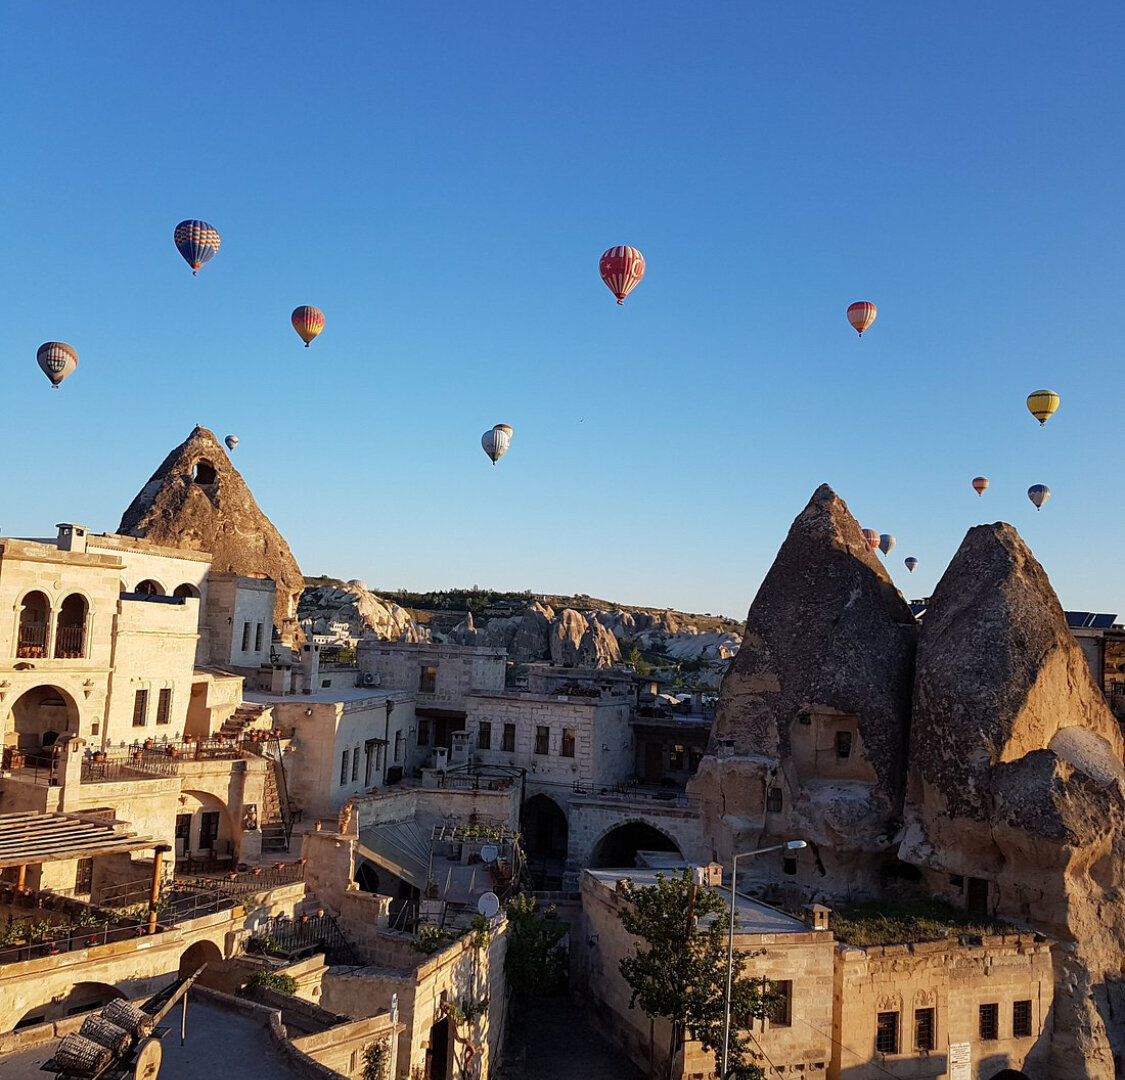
<point x="789" y="845"/>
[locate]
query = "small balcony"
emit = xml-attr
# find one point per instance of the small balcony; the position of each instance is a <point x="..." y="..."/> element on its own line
<point x="32" y="641"/>
<point x="70" y="642"/>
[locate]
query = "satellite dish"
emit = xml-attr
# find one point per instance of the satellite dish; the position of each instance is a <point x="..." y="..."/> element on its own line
<point x="489" y="905"/>
<point x="489" y="853"/>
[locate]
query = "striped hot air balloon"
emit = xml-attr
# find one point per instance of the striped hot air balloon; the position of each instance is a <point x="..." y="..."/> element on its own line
<point x="495" y="441"/>
<point x="58" y="360"/>
<point x="1038" y="494"/>
<point x="861" y="315"/>
<point x="1042" y="405"/>
<point x="886" y="543"/>
<point x="980" y="484"/>
<point x="871" y="538"/>
<point x="622" y="269"/>
<point x="910" y="562"/>
<point x="197" y="242"/>
<point x="308" y="321"/>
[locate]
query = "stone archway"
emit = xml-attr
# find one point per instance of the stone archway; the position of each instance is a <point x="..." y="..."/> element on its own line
<point x="83" y="997"/>
<point x="618" y="846"/>
<point x="195" y="956"/>
<point x="38" y="718"/>
<point x="204" y="829"/>
<point x="546" y="833"/>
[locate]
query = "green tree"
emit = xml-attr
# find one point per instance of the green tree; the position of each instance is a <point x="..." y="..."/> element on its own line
<point x="640" y="665"/>
<point x="678" y="970"/>
<point x="535" y="963"/>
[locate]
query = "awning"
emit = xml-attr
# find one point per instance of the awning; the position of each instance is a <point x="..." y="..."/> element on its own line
<point x="400" y="847"/>
<point x="31" y="838"/>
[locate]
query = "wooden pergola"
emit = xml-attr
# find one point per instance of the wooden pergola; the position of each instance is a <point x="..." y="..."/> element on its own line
<point x="29" y="838"/>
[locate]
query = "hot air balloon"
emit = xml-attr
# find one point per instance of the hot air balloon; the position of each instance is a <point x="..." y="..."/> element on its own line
<point x="910" y="563"/>
<point x="495" y="441"/>
<point x="197" y="242"/>
<point x="506" y="428"/>
<point x="231" y="441"/>
<point x="861" y="315"/>
<point x="980" y="484"/>
<point x="622" y="269"/>
<point x="1038" y="494"/>
<point x="886" y="543"/>
<point x="57" y="359"/>
<point x="1042" y="405"/>
<point x="308" y="322"/>
<point x="871" y="538"/>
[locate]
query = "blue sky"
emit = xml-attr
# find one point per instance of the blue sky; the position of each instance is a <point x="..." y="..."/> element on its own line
<point x="440" y="179"/>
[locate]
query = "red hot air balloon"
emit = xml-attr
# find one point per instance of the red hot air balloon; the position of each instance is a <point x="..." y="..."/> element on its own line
<point x="980" y="484"/>
<point x="861" y="315"/>
<point x="871" y="537"/>
<point x="308" y="321"/>
<point x="622" y="269"/>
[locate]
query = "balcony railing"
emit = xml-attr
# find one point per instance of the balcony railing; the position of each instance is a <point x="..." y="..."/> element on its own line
<point x="31" y="643"/>
<point x="629" y="793"/>
<point x="70" y="642"/>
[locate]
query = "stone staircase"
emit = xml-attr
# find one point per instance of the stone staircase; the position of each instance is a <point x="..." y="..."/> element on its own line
<point x="275" y="831"/>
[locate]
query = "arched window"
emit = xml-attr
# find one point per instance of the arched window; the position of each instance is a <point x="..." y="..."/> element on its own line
<point x="70" y="629"/>
<point x="185" y="591"/>
<point x="203" y="473"/>
<point x="35" y="625"/>
<point x="148" y="587"/>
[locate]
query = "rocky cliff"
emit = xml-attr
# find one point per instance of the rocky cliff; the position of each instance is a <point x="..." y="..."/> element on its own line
<point x="364" y="612"/>
<point x="1016" y="780"/>
<point x="197" y="500"/>
<point x="813" y="717"/>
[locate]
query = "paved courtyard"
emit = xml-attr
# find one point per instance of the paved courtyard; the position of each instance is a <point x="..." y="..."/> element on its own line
<point x="220" y="1043"/>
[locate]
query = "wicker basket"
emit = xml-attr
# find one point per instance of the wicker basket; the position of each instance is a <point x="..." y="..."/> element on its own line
<point x="129" y="1017"/>
<point x="98" y="1029"/>
<point x="82" y="1055"/>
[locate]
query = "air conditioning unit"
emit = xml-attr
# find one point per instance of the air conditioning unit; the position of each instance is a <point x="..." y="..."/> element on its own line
<point x="370" y="678"/>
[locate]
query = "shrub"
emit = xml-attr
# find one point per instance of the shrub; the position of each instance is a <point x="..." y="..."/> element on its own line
<point x="274" y="980"/>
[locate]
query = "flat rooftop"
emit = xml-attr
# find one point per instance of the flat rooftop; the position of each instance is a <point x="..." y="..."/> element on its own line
<point x="753" y="917"/>
<point x="326" y="696"/>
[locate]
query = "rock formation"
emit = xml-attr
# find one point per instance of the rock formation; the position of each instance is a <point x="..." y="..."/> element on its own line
<point x="1016" y="781"/>
<point x="363" y="611"/>
<point x="813" y="718"/>
<point x="198" y="501"/>
<point x="579" y="641"/>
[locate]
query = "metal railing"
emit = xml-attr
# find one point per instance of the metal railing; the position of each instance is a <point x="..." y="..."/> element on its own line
<point x="631" y="794"/>
<point x="282" y="936"/>
<point x="247" y="882"/>
<point x="31" y="642"/>
<point x="70" y="642"/>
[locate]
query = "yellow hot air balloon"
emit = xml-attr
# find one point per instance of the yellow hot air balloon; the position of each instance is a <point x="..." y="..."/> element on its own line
<point x="1042" y="404"/>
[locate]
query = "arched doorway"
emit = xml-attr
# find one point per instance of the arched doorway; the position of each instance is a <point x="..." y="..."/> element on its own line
<point x="546" y="835"/>
<point x="37" y="719"/>
<point x="35" y="626"/>
<point x="194" y="957"/>
<point x="203" y="831"/>
<point x="620" y="845"/>
<point x="149" y="587"/>
<point x="186" y="591"/>
<point x="70" y="628"/>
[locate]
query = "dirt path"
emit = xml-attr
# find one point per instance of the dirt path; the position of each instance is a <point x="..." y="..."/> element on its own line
<point x="555" y="1041"/>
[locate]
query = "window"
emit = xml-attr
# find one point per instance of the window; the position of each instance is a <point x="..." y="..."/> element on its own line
<point x="843" y="745"/>
<point x="84" y="879"/>
<point x="203" y="473"/>
<point x="567" y="746"/>
<point x="164" y="706"/>
<point x="258" y="638"/>
<point x="780" y="1009"/>
<point x="484" y="735"/>
<point x="924" y="1029"/>
<point x="990" y="1022"/>
<point x="398" y="746"/>
<point x="886" y="1033"/>
<point x="344" y="767"/>
<point x="208" y="829"/>
<point x="368" y="761"/>
<point x="789" y="864"/>
<point x="676" y="757"/>
<point x="140" y="708"/>
<point x="773" y="800"/>
<point x="509" y="744"/>
<point x="70" y="629"/>
<point x="1021" y="1019"/>
<point x="355" y="764"/>
<point x="427" y="680"/>
<point x="423" y="733"/>
<point x="542" y="740"/>
<point x="245" y="637"/>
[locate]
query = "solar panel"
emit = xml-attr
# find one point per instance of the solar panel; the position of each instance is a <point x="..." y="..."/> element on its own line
<point x="1102" y="621"/>
<point x="1077" y="618"/>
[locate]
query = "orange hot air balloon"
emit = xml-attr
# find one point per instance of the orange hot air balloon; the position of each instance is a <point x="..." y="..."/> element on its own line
<point x="622" y="269"/>
<point x="980" y="484"/>
<point x="308" y="321"/>
<point x="871" y="538"/>
<point x="861" y="315"/>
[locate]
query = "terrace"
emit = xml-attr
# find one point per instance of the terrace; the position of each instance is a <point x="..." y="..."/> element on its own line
<point x="910" y="922"/>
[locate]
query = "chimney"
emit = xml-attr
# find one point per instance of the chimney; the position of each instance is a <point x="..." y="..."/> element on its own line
<point x="72" y="537"/>
<point x="816" y="916"/>
<point x="310" y="665"/>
